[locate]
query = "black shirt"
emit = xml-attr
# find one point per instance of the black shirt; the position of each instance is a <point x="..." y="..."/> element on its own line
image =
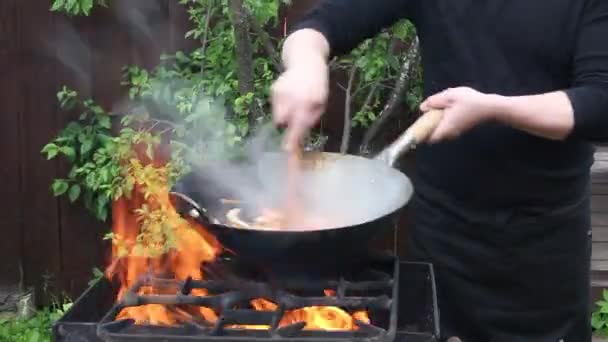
<point x="507" y="47"/>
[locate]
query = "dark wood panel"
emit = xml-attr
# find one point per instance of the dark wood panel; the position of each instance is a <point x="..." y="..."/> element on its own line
<point x="110" y="50"/>
<point x="81" y="234"/>
<point x="601" y="152"/>
<point x="600" y="165"/>
<point x="599" y="219"/>
<point x="179" y="25"/>
<point x="10" y="215"/>
<point x="599" y="189"/>
<point x="41" y="234"/>
<point x="600" y="251"/>
<point x="599" y="203"/>
<point x="599" y="177"/>
<point x="148" y="25"/>
<point x="599" y="170"/>
<point x="599" y="265"/>
<point x="600" y="234"/>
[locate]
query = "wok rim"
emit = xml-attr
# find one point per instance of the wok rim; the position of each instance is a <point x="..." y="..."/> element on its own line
<point x="408" y="185"/>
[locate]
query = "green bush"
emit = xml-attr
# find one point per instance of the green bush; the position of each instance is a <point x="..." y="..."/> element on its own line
<point x="36" y="329"/>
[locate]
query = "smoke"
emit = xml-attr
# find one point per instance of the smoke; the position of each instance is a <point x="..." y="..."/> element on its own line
<point x="73" y="52"/>
<point x="334" y="190"/>
<point x="146" y="22"/>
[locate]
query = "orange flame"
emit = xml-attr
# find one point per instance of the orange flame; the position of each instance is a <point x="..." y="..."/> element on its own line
<point x="192" y="247"/>
<point x="315" y="317"/>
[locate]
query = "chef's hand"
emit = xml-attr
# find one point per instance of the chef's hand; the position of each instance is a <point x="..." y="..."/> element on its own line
<point x="299" y="95"/>
<point x="464" y="108"/>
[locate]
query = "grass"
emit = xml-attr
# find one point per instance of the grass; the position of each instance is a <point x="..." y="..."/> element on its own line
<point x="34" y="329"/>
<point x="599" y="319"/>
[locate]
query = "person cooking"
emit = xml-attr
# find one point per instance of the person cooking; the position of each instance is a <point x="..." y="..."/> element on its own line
<point x="502" y="203"/>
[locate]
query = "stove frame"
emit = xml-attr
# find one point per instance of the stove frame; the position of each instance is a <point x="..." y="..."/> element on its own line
<point x="414" y="314"/>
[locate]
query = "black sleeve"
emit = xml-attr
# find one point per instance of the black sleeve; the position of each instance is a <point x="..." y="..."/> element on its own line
<point x="589" y="92"/>
<point x="346" y="23"/>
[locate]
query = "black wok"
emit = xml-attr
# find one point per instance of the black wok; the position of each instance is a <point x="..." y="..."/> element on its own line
<point x="363" y="195"/>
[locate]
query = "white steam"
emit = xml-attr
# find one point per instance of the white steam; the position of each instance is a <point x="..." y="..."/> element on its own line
<point x="342" y="191"/>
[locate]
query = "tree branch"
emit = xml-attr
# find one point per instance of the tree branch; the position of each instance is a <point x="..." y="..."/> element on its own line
<point x="402" y="84"/>
<point x="244" y="52"/>
<point x="370" y="95"/>
<point x="270" y="48"/>
<point x="373" y="87"/>
<point x="347" y="111"/>
<point x="205" y="37"/>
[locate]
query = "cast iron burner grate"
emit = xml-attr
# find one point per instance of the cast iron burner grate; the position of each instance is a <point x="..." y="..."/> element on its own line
<point x="372" y="290"/>
<point x="398" y="296"/>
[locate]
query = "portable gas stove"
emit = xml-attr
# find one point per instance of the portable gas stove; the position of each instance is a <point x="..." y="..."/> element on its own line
<point x="399" y="298"/>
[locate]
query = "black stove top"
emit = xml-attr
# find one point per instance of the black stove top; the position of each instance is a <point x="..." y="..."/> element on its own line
<point x="398" y="296"/>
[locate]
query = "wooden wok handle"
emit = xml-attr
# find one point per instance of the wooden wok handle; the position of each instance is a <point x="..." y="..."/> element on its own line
<point x="417" y="133"/>
<point x="422" y="129"/>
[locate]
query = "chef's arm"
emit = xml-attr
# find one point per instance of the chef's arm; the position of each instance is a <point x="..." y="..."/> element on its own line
<point x="580" y="112"/>
<point x="335" y="27"/>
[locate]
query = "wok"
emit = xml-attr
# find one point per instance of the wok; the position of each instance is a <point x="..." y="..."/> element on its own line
<point x="363" y="196"/>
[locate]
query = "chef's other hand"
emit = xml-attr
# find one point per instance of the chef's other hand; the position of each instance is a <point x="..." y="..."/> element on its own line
<point x="464" y="108"/>
<point x="299" y="95"/>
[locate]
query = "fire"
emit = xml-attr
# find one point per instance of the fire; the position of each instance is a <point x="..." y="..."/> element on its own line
<point x="151" y="238"/>
<point x="193" y="247"/>
<point x="316" y="317"/>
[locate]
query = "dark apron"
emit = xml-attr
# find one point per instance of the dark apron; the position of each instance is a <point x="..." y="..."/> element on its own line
<point x="519" y="275"/>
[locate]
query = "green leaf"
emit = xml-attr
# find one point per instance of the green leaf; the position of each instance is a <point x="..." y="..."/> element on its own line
<point x="101" y="208"/>
<point x="57" y="5"/>
<point x="59" y="187"/>
<point x="105" y="122"/>
<point x="51" y="151"/>
<point x="74" y="192"/>
<point x="596" y="322"/>
<point x="86" y="146"/>
<point x="35" y="336"/>
<point x="129" y="184"/>
<point x="91" y="181"/>
<point x="97" y="272"/>
<point x="73" y="172"/>
<point x="69" y="152"/>
<point x="86" y="6"/>
<point x="71" y="6"/>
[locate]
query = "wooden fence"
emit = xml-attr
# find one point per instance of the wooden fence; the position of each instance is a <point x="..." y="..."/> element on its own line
<point x="45" y="240"/>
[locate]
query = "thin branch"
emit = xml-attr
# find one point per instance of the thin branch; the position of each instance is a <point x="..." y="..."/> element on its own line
<point x="347" y="111"/>
<point x="164" y="122"/>
<point x="204" y="39"/>
<point x="376" y="84"/>
<point x="270" y="48"/>
<point x="370" y="95"/>
<point x="333" y="63"/>
<point x="164" y="131"/>
<point x="409" y="62"/>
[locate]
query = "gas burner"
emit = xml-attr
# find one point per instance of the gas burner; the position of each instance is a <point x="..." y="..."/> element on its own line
<point x="398" y="300"/>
